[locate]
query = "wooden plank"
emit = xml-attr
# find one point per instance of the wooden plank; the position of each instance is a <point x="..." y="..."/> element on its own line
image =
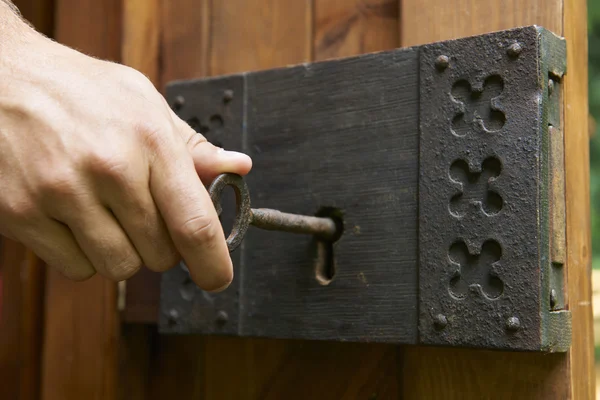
<point x="281" y="289"/>
<point x="32" y="281"/>
<point x="12" y="342"/>
<point x="577" y="179"/>
<point x="465" y="374"/>
<point x="435" y="20"/>
<point x="375" y="261"/>
<point x="81" y="327"/>
<point x="248" y="35"/>
<point x="347" y="28"/>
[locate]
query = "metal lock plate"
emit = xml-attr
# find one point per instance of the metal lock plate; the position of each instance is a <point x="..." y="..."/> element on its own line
<point x="445" y="164"/>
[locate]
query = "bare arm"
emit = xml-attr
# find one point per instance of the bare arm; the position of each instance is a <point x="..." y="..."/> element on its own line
<point x="97" y="173"/>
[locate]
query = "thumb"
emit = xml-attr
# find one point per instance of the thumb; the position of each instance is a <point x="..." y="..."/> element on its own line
<point x="209" y="159"/>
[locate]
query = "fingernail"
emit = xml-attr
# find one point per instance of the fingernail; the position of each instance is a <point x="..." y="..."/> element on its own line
<point x="232" y="154"/>
<point x="221" y="288"/>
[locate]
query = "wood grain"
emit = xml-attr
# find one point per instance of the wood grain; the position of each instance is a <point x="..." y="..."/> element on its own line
<point x="20" y="317"/>
<point x="33" y="273"/>
<point x="186" y="38"/>
<point x="373" y="294"/>
<point x="440" y="373"/>
<point x="577" y="171"/>
<point x="434" y="20"/>
<point x="248" y="35"/>
<point x="81" y="327"/>
<point x="347" y="28"/>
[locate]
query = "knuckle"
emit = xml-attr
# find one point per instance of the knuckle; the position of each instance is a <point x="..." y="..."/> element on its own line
<point x="58" y="182"/>
<point x="123" y="269"/>
<point x="155" y="134"/>
<point x="74" y="271"/>
<point x="78" y="274"/>
<point x="196" y="140"/>
<point x="199" y="230"/>
<point x="109" y="165"/>
<point x="166" y="261"/>
<point x="19" y="209"/>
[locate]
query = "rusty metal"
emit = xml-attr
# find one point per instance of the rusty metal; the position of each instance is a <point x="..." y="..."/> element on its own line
<point x="486" y="194"/>
<point x="322" y="227"/>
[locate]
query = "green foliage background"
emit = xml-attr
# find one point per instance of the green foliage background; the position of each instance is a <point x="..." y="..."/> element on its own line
<point x="594" y="96"/>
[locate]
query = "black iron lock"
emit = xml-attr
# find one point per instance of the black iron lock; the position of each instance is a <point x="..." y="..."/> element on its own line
<point x="444" y="165"/>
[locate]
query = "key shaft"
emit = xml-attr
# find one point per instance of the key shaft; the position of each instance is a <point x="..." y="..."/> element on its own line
<point x="323" y="228"/>
<point x="275" y="220"/>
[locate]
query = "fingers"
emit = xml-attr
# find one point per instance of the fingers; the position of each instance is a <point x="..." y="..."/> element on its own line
<point x="54" y="243"/>
<point x="190" y="217"/>
<point x="127" y="195"/>
<point x="99" y="236"/>
<point x="210" y="160"/>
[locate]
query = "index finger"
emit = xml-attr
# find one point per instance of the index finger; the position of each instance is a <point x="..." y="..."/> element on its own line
<point x="190" y="216"/>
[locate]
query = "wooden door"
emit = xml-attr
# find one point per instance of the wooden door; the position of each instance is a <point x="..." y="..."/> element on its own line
<point x="91" y="350"/>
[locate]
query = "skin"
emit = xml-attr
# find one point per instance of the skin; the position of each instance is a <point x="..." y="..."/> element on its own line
<point x="98" y="174"/>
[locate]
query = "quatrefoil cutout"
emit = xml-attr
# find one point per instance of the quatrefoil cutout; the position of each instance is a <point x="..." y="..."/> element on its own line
<point x="475" y="273"/>
<point x="478" y="106"/>
<point x="475" y="187"/>
<point x="211" y="128"/>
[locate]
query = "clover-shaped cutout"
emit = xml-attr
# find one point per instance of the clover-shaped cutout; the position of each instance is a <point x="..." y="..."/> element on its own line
<point x="475" y="187"/>
<point x="478" y="106"/>
<point x="475" y="272"/>
<point x="210" y="127"/>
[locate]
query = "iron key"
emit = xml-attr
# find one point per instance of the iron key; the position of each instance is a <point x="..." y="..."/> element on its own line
<point x="322" y="227"/>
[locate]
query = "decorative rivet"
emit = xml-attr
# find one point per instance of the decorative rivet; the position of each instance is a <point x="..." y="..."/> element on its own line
<point x="173" y="316"/>
<point x="227" y="95"/>
<point x="514" y="49"/>
<point x="440" y="321"/>
<point x="550" y="86"/>
<point x="179" y="102"/>
<point x="222" y="317"/>
<point x="552" y="298"/>
<point x="513" y="324"/>
<point x="442" y="62"/>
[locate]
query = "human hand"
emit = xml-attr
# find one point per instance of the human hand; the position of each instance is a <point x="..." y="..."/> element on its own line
<point x="99" y="175"/>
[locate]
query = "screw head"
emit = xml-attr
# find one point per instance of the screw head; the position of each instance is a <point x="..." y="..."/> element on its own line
<point x="513" y="324"/>
<point x="442" y="62"/>
<point x="514" y="49"/>
<point x="440" y="321"/>
<point x="172" y="316"/>
<point x="553" y="298"/>
<point x="179" y="102"/>
<point x="227" y="95"/>
<point x="222" y="317"/>
<point x="550" y="86"/>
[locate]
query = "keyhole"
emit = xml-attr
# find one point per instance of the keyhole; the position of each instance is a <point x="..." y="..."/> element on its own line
<point x="325" y="265"/>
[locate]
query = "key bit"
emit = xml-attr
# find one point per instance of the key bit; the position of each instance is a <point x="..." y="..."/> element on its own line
<point x="322" y="227"/>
